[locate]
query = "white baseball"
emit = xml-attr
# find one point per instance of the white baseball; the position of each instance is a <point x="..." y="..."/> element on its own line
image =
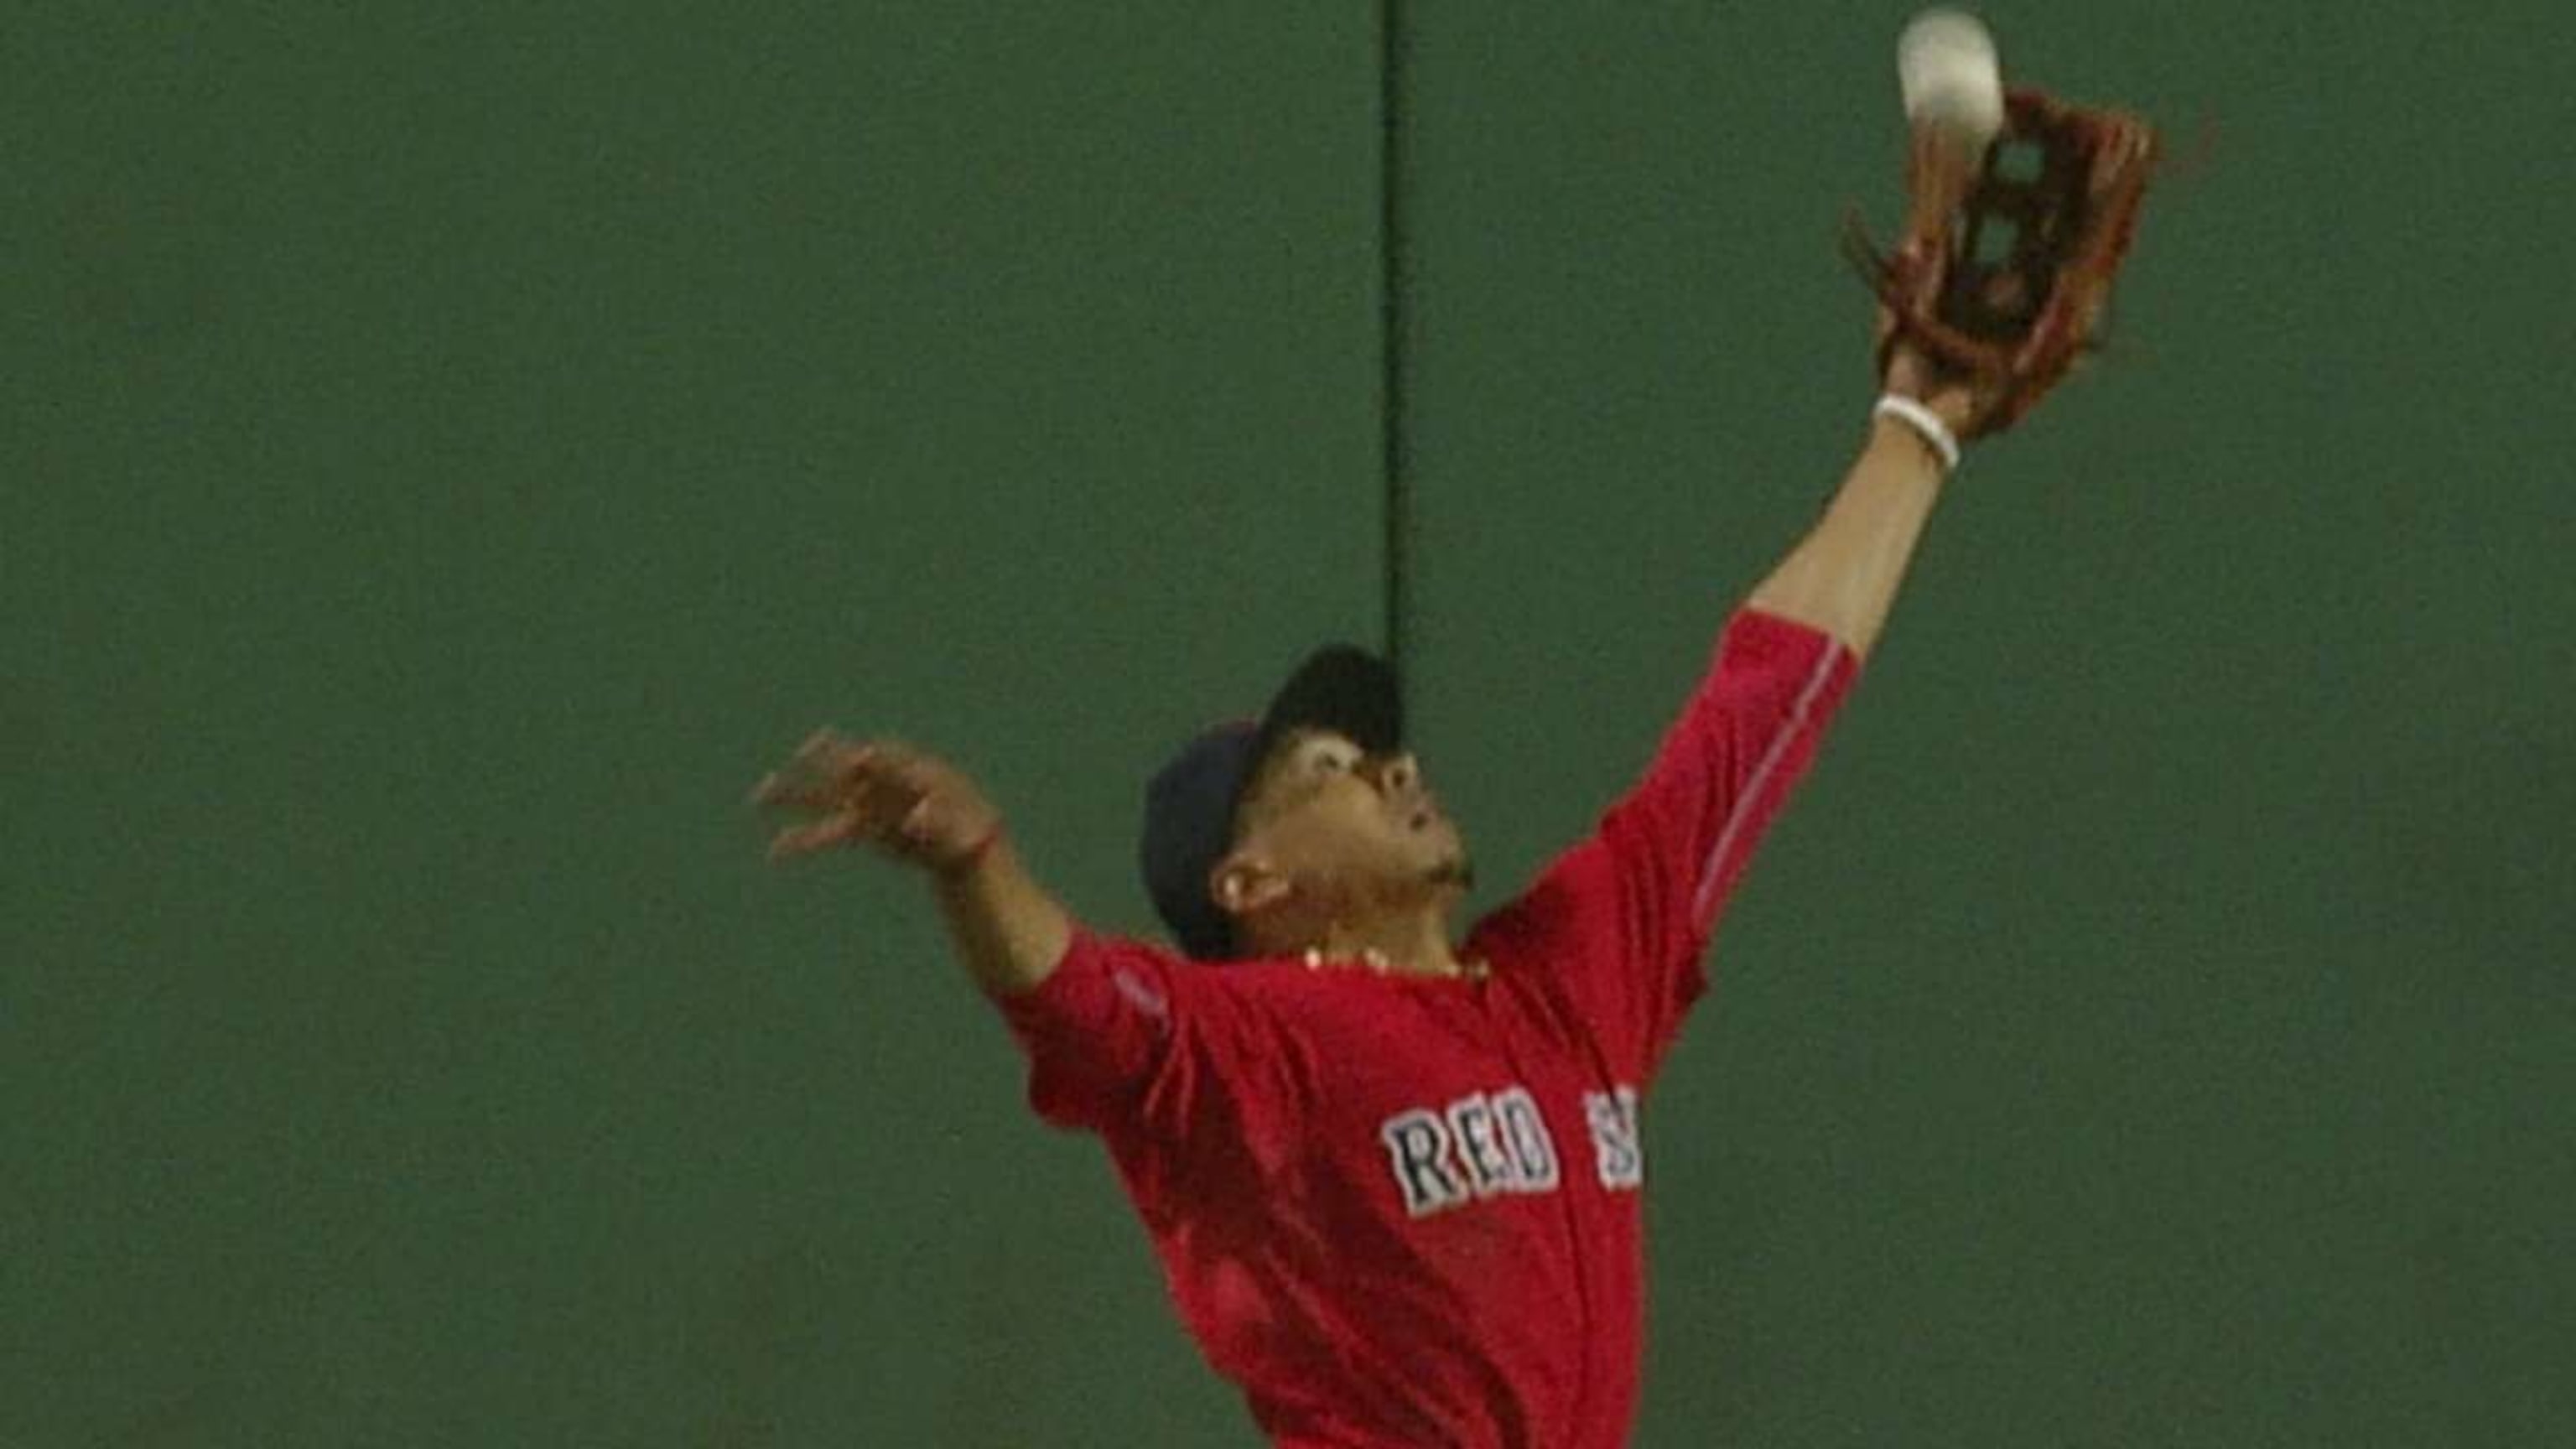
<point x="1945" y="64"/>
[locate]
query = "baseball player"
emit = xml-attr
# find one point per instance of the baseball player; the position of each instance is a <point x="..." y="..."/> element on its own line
<point x="1392" y="1172"/>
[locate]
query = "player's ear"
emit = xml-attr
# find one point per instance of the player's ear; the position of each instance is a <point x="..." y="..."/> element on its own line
<point x="1244" y="882"/>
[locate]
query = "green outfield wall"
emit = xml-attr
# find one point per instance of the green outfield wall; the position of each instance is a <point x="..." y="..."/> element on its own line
<point x="448" y="452"/>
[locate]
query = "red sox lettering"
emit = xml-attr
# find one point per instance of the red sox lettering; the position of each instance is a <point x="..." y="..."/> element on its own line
<point x="1490" y="1143"/>
<point x="1617" y="1153"/>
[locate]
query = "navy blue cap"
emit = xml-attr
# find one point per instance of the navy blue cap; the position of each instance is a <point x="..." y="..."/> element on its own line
<point x="1190" y="803"/>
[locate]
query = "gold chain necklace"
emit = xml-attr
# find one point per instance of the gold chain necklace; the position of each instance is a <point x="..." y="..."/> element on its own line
<point x="1376" y="961"/>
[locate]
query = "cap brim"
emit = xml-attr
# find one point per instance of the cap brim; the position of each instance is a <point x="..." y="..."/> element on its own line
<point x="1341" y="688"/>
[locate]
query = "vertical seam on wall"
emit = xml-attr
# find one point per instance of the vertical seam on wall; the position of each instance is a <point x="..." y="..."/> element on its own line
<point x="1396" y="491"/>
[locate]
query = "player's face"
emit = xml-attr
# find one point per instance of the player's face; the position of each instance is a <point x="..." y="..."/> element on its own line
<point x="1325" y="810"/>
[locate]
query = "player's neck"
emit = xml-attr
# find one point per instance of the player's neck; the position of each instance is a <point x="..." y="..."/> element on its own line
<point x="1413" y="943"/>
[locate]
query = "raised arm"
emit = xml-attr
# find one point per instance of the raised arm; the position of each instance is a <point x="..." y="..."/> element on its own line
<point x="1843" y="576"/>
<point x="1121" y="1036"/>
<point x="1656" y="875"/>
<point x="1008" y="931"/>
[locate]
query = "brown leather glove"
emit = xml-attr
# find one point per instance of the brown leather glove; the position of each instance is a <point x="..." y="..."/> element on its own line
<point x="2005" y="267"/>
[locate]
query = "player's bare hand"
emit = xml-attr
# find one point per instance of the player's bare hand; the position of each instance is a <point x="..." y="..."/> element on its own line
<point x="1911" y="374"/>
<point x="883" y="793"/>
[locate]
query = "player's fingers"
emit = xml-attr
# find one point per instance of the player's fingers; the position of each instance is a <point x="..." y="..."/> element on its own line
<point x="827" y="753"/>
<point x="879" y="808"/>
<point x="775" y="788"/>
<point x="850" y="766"/>
<point x="805" y="776"/>
<point x="823" y="759"/>
<point x="807" y="758"/>
<point x="873" y="804"/>
<point x="829" y="833"/>
<point x="778" y="791"/>
<point x="817" y="748"/>
<point x="886" y="757"/>
<point x="900" y="767"/>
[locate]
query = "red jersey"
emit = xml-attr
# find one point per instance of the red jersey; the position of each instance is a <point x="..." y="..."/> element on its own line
<point x="1401" y="1210"/>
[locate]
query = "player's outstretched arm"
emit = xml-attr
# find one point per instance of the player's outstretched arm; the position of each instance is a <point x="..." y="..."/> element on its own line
<point x="919" y="809"/>
<point x="1843" y="576"/>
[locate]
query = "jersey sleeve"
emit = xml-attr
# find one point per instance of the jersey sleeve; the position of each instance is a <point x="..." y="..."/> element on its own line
<point x="1627" y="913"/>
<point x="1133" y="1042"/>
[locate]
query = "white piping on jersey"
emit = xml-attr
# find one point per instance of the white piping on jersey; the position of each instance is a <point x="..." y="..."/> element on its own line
<point x="1705" y="898"/>
<point x="1141" y="993"/>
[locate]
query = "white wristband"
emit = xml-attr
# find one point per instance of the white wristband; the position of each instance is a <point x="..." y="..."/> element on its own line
<point x="1922" y="420"/>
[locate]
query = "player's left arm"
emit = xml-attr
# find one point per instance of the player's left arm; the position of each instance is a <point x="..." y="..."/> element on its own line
<point x="1656" y="875"/>
<point x="1842" y="578"/>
